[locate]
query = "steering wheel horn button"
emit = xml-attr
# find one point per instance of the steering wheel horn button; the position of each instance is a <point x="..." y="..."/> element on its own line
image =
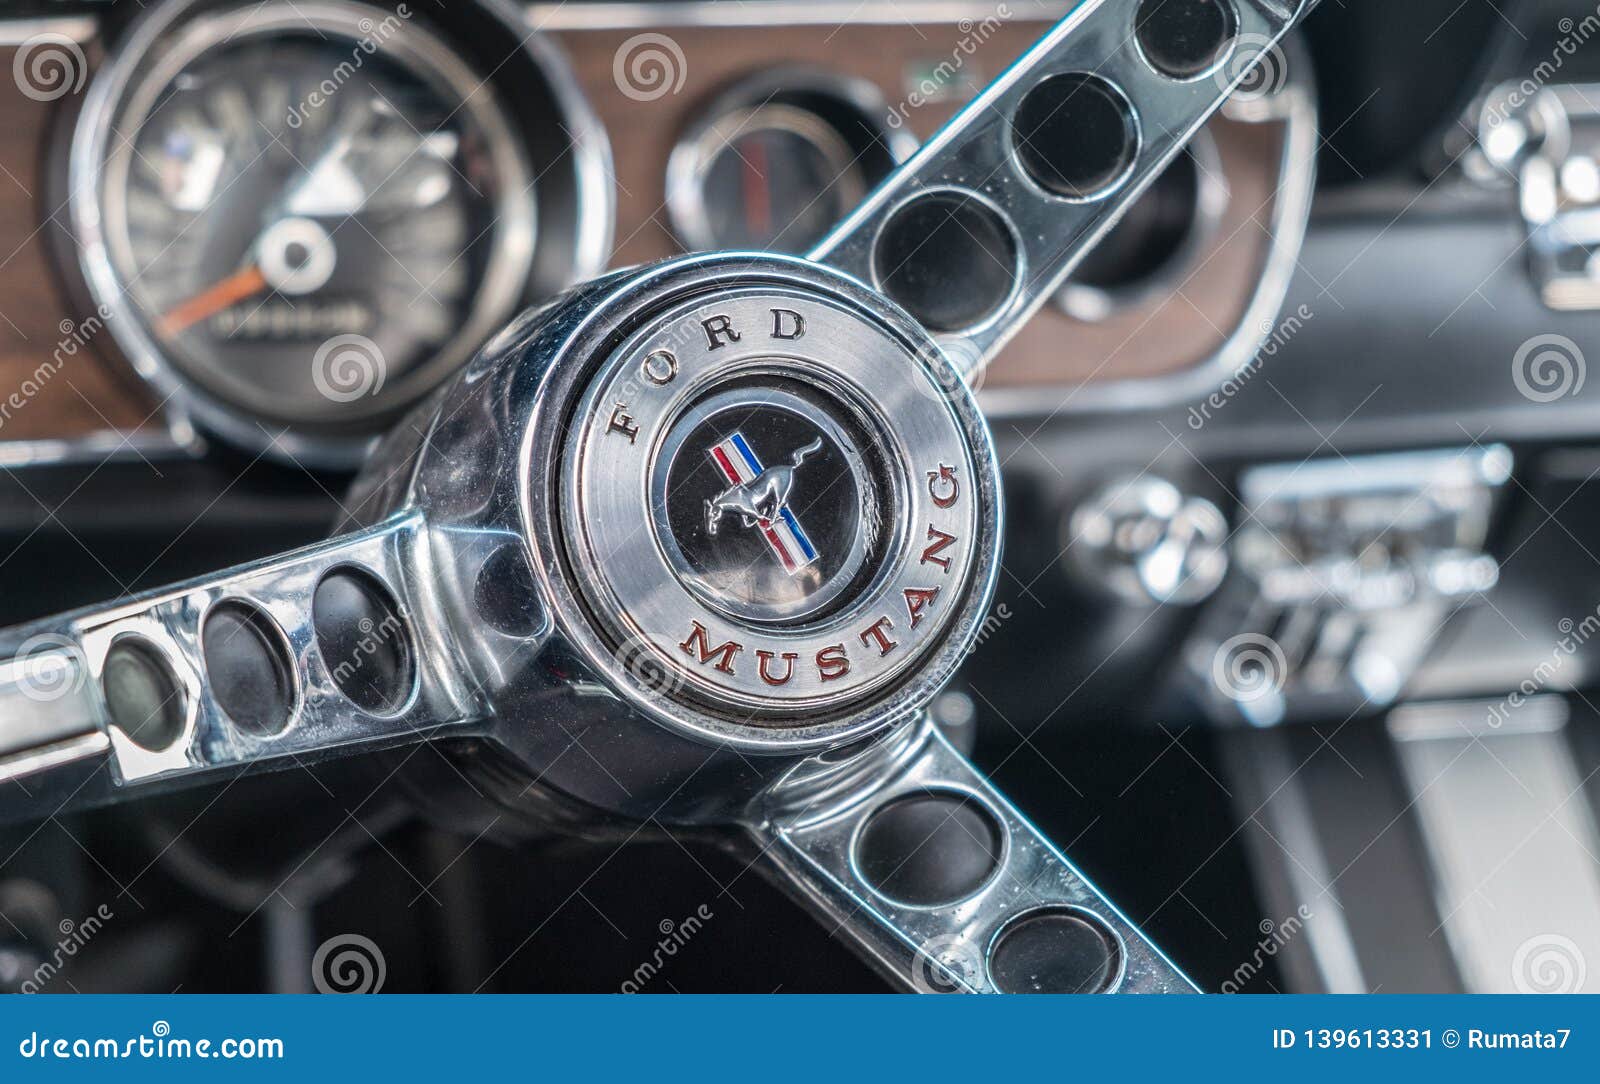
<point x="773" y="491"/>
<point x="758" y="511"/>
<point x="764" y="504"/>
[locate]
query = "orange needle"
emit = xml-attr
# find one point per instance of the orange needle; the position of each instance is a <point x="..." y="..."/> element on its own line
<point x="236" y="287"/>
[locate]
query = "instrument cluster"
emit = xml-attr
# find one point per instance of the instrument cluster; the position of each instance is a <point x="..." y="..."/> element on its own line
<point x="299" y="218"/>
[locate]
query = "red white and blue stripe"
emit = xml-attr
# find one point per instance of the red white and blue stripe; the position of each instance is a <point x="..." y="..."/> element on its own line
<point x="738" y="463"/>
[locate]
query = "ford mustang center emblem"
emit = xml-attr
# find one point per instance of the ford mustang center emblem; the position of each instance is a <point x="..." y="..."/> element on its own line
<point x="776" y="501"/>
<point x="759" y="496"/>
<point x="767" y="496"/>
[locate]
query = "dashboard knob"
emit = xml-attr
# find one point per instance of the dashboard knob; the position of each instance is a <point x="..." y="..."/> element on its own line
<point x="1147" y="542"/>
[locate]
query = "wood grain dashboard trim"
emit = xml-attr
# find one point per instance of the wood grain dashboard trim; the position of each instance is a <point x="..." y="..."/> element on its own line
<point x="59" y="374"/>
<point x="1163" y="335"/>
<point x="60" y="378"/>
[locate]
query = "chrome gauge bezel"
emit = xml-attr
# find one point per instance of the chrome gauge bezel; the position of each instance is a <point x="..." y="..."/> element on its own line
<point x="787" y="97"/>
<point x="1091" y="303"/>
<point x="162" y="42"/>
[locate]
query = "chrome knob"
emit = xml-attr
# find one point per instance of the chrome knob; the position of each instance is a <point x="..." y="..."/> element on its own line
<point x="1147" y="542"/>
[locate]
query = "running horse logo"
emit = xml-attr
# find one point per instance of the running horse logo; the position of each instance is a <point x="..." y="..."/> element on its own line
<point x="759" y="496"/>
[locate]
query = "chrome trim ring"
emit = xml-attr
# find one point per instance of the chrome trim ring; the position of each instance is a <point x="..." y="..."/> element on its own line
<point x="600" y="351"/>
<point x="785" y="656"/>
<point x="1090" y="303"/>
<point x="780" y="99"/>
<point x="188" y="404"/>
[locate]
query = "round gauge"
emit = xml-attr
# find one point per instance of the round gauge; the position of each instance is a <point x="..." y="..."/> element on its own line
<point x="1157" y="242"/>
<point x="313" y="212"/>
<point x="771" y="178"/>
<point x="778" y="161"/>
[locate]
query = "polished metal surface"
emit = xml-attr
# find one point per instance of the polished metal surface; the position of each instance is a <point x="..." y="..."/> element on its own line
<point x="810" y="826"/>
<point x="105" y="446"/>
<point x="1510" y="838"/>
<point x="183" y="24"/>
<point x="755" y="628"/>
<point x="1294" y="106"/>
<point x="54" y="685"/>
<point x="581" y="15"/>
<point x="727" y="524"/>
<point x="1551" y="144"/>
<point x="786" y="98"/>
<point x="1347" y="569"/>
<point x="74" y="28"/>
<point x="1148" y="543"/>
<point x="976" y="157"/>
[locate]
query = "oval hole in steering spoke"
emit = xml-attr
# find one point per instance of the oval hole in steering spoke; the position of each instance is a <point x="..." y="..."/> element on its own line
<point x="363" y="639"/>
<point x="948" y="258"/>
<point x="248" y="667"/>
<point x="144" y="698"/>
<point x="1056" y="950"/>
<point x="1076" y="136"/>
<point x="930" y="848"/>
<point x="1185" y="39"/>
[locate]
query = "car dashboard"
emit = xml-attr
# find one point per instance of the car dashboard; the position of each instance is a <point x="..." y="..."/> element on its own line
<point x="1298" y="463"/>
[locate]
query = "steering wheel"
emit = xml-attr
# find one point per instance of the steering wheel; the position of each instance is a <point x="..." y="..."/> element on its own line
<point x="697" y="543"/>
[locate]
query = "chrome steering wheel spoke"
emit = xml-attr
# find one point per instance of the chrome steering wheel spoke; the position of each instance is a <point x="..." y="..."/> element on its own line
<point x="942" y="884"/>
<point x="697" y="544"/>
<point x="973" y="233"/>
<point x="322" y="651"/>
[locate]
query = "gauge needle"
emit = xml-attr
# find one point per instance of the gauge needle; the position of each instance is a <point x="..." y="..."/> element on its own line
<point x="236" y="287"/>
<point x="757" y="196"/>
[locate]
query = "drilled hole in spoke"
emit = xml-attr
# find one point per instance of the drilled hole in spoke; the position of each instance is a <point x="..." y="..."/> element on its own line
<point x="930" y="849"/>
<point x="1076" y="135"/>
<point x="1056" y="950"/>
<point x="948" y="258"/>
<point x="248" y="667"/>
<point x="364" y="641"/>
<point x="1184" y="39"/>
<point x="144" y="698"/>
